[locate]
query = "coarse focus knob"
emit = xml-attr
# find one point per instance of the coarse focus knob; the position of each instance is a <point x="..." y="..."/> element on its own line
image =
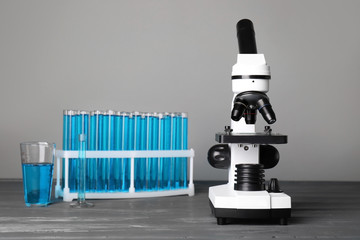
<point x="219" y="156"/>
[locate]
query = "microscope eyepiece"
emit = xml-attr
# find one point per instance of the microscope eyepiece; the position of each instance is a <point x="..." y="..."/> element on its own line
<point x="246" y="37"/>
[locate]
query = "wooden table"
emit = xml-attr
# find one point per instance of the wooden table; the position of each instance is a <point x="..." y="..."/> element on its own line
<point x="321" y="210"/>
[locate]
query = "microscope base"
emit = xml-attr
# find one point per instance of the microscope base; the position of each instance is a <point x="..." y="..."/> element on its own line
<point x="227" y="203"/>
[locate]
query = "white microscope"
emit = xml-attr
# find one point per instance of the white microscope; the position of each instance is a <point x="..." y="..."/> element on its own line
<point x="245" y="152"/>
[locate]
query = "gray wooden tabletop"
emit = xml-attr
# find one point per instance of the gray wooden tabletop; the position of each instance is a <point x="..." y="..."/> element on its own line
<point x="329" y="210"/>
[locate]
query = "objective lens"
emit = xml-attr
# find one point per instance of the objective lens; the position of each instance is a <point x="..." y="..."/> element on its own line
<point x="250" y="116"/>
<point x="237" y="111"/>
<point x="268" y="114"/>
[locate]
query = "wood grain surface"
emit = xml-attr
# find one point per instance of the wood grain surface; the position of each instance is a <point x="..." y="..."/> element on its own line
<point x="321" y="210"/>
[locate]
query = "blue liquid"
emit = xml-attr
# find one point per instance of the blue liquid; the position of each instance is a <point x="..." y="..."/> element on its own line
<point x="79" y="125"/>
<point x="165" y="144"/>
<point x="93" y="146"/>
<point x="112" y="161"/>
<point x="37" y="180"/>
<point x="176" y="166"/>
<point x="116" y="164"/>
<point x="128" y="144"/>
<point x="85" y="131"/>
<point x="140" y="163"/>
<point x="73" y="146"/>
<point x="153" y="144"/>
<point x="66" y="142"/>
<point x="102" y="181"/>
<point x="183" y="177"/>
<point x="143" y="146"/>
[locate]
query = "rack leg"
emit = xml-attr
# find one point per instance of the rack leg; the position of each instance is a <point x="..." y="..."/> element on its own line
<point x="132" y="176"/>
<point x="191" y="177"/>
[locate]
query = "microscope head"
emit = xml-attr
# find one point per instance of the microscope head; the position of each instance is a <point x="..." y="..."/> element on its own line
<point x="250" y="73"/>
<point x="250" y="79"/>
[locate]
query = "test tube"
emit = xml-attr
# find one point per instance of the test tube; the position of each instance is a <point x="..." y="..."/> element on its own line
<point x="79" y="126"/>
<point x="81" y="173"/>
<point x="128" y="144"/>
<point x="183" y="179"/>
<point x="149" y="144"/>
<point x="165" y="144"/>
<point x="116" y="167"/>
<point x="175" y="145"/>
<point x="100" y="178"/>
<point x="105" y="146"/>
<point x="84" y="129"/>
<point x="137" y="147"/>
<point x="81" y="169"/>
<point x="143" y="146"/>
<point x="140" y="163"/>
<point x="110" y="162"/>
<point x="153" y="144"/>
<point x="74" y="146"/>
<point x="93" y="146"/>
<point x="66" y="138"/>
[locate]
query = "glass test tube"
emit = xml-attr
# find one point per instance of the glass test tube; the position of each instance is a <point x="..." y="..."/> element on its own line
<point x="183" y="176"/>
<point x="105" y="146"/>
<point x="137" y="147"/>
<point x="165" y="144"/>
<point x="66" y="139"/>
<point x="79" y="129"/>
<point x="84" y="129"/>
<point x="116" y="166"/>
<point x="93" y="146"/>
<point x="128" y="144"/>
<point x="143" y="146"/>
<point x="81" y="169"/>
<point x="153" y="144"/>
<point x="149" y="118"/>
<point x="74" y="145"/>
<point x="110" y="161"/>
<point x="100" y="175"/>
<point x="81" y="172"/>
<point x="175" y="145"/>
<point x="140" y="144"/>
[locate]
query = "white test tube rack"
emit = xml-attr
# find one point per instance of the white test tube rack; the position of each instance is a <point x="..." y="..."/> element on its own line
<point x="132" y="193"/>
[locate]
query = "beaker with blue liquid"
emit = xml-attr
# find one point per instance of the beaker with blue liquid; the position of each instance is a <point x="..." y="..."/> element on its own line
<point x="37" y="159"/>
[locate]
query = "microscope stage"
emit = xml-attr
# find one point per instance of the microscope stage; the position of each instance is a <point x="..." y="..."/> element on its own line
<point x="251" y="138"/>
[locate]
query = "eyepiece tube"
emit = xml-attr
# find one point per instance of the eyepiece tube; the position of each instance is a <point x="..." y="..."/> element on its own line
<point x="246" y="37"/>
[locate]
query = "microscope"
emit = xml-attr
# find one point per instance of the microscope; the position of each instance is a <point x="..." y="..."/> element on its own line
<point x="242" y="150"/>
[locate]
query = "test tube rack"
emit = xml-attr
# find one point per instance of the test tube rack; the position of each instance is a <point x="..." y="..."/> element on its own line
<point x="163" y="155"/>
<point x="128" y="154"/>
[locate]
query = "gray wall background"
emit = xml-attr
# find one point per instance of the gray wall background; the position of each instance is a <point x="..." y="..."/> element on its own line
<point x="177" y="56"/>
